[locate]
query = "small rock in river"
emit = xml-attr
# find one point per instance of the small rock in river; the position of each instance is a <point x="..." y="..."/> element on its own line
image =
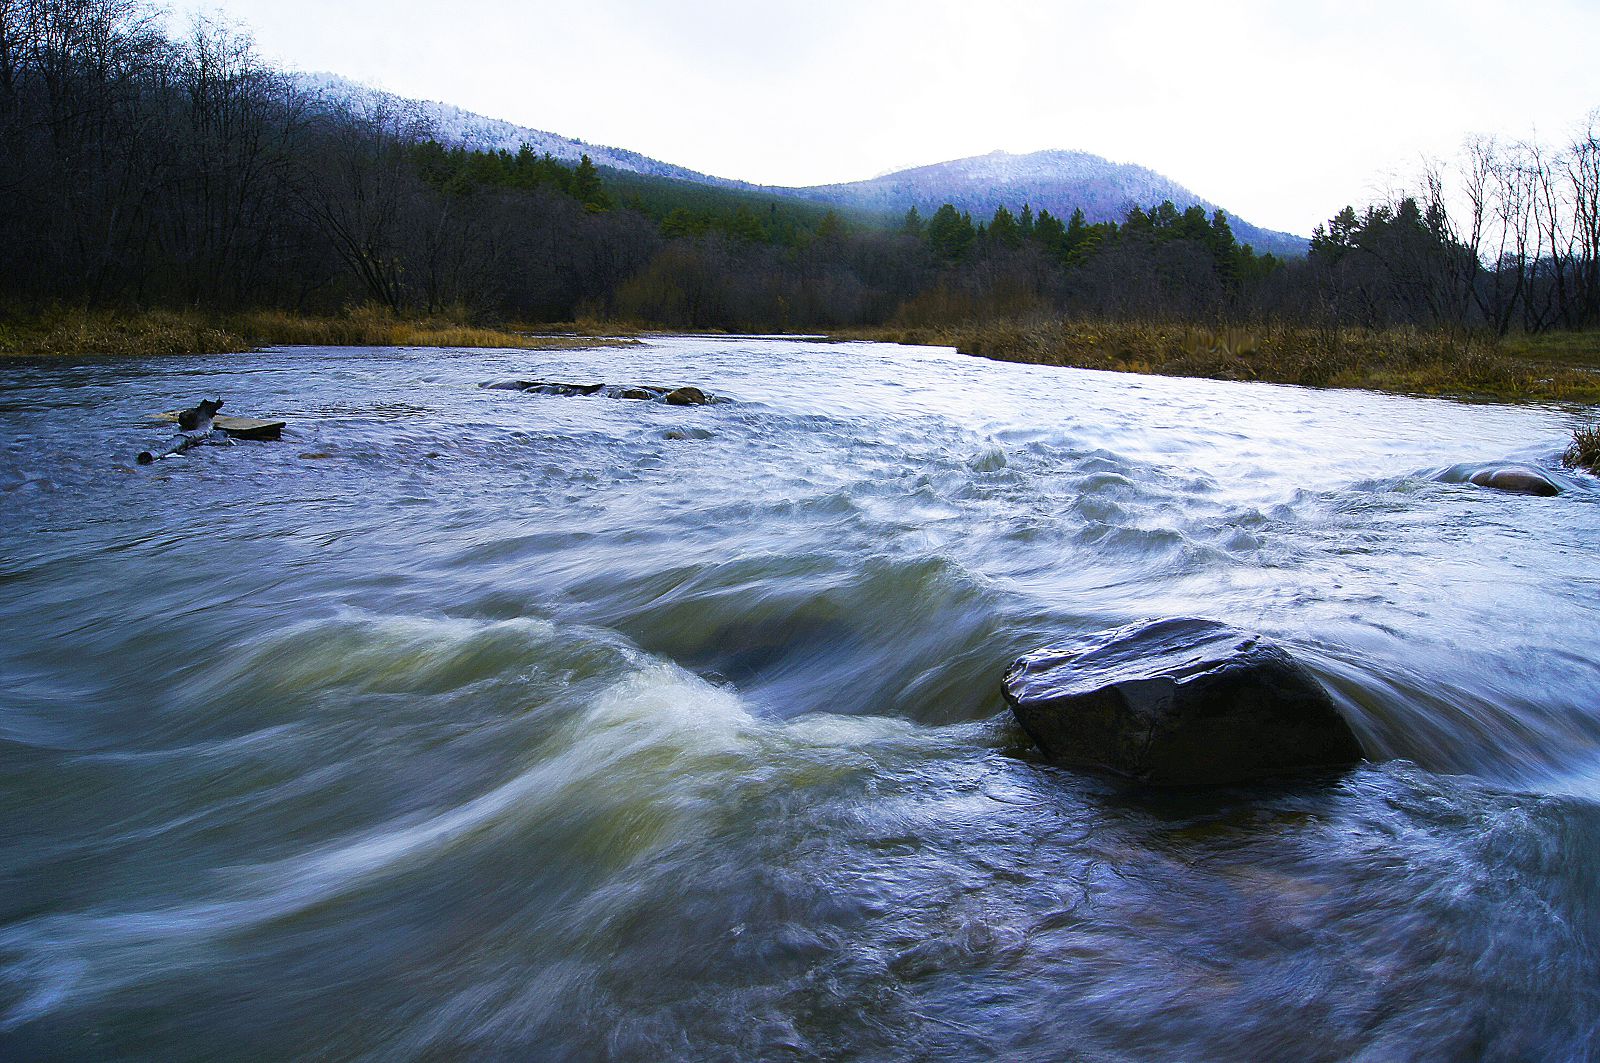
<point x="1178" y="702"/>
<point x="686" y="396"/>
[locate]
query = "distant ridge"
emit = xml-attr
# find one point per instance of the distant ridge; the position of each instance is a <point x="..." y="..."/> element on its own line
<point x="1058" y="181"/>
<point x="457" y="127"/>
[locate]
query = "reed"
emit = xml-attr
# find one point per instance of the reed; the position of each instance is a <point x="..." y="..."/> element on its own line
<point x="61" y="332"/>
<point x="1584" y="453"/>
<point x="65" y="332"/>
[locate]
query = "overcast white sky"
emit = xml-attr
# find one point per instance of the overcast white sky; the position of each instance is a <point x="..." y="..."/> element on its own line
<point x="1281" y="112"/>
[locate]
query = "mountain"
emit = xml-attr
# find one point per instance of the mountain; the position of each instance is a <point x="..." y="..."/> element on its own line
<point x="1057" y="181"/>
<point x="453" y="126"/>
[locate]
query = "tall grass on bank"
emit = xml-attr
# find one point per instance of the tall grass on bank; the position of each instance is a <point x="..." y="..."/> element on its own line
<point x="1584" y="453"/>
<point x="78" y="332"/>
<point x="1414" y="361"/>
<point x="73" y="332"/>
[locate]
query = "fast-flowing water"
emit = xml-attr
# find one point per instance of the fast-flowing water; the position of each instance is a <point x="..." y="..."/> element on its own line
<point x="465" y="722"/>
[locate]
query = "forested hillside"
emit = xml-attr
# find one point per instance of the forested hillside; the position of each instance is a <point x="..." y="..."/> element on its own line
<point x="1059" y="181"/>
<point x="143" y="169"/>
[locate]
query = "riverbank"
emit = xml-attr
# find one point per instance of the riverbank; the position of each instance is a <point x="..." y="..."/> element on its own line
<point x="78" y="333"/>
<point x="1563" y="367"/>
<point x="1553" y="367"/>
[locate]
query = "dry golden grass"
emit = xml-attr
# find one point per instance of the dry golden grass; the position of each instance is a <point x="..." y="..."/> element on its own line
<point x="375" y="327"/>
<point x="587" y="325"/>
<point x="79" y="332"/>
<point x="73" y="332"/>
<point x="1412" y="361"/>
<point x="1576" y="349"/>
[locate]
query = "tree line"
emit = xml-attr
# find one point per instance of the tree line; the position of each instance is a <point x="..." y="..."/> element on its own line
<point x="1520" y="251"/>
<point x="145" y="168"/>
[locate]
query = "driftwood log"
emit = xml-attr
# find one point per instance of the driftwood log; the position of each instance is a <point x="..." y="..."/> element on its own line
<point x="185" y="441"/>
<point x="223" y="431"/>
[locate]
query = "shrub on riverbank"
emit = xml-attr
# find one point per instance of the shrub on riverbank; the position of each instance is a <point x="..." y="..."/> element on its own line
<point x="76" y="332"/>
<point x="1584" y="453"/>
<point x="1417" y="361"/>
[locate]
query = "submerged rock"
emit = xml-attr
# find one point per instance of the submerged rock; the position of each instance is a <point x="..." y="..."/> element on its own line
<point x="684" y="396"/>
<point x="1179" y="702"/>
<point x="543" y="387"/>
<point x="1518" y="479"/>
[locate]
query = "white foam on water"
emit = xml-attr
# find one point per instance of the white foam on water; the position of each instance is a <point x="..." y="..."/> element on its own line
<point x="654" y="735"/>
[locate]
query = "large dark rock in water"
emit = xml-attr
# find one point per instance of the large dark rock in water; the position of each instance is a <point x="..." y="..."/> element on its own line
<point x="1518" y="479"/>
<point x="1178" y="703"/>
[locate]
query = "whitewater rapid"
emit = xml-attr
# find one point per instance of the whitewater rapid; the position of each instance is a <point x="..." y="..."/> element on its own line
<point x="465" y="721"/>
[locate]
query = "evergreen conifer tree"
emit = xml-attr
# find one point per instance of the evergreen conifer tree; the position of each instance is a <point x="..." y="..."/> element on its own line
<point x="587" y="187"/>
<point x="950" y="234"/>
<point x="1003" y="227"/>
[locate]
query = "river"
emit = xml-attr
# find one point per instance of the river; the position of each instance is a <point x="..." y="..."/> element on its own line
<point x="474" y="723"/>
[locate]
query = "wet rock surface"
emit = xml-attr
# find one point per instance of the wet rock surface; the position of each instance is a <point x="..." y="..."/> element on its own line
<point x="1178" y="702"/>
<point x="686" y="396"/>
<point x="674" y="396"/>
<point x="1517" y="479"/>
<point x="1512" y="477"/>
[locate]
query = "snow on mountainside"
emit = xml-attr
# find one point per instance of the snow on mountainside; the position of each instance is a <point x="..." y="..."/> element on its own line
<point x="1105" y="189"/>
<point x="1057" y="181"/>
<point x="453" y="126"/>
